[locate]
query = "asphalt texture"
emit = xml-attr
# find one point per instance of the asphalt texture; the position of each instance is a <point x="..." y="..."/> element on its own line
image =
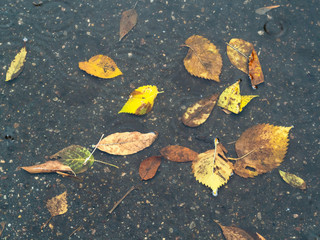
<point x="53" y="104"/>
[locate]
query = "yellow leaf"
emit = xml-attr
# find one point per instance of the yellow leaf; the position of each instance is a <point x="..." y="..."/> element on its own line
<point x="213" y="169"/>
<point x="261" y="148"/>
<point x="238" y="51"/>
<point x="17" y="64"/>
<point x="293" y="180"/>
<point x="101" y="66"/>
<point x="58" y="205"/>
<point x="203" y="58"/>
<point x="141" y="100"/>
<point x="231" y="99"/>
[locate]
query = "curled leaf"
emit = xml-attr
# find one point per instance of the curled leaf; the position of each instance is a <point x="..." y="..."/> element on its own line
<point x="141" y="100"/>
<point x="126" y="143"/>
<point x="261" y="148"/>
<point x="128" y="20"/>
<point x="48" y="167"/>
<point x="199" y="112"/>
<point x="100" y="66"/>
<point x="178" y="153"/>
<point x="17" y="65"/>
<point x="264" y="10"/>
<point x="293" y="180"/>
<point x="203" y="58"/>
<point x="148" y="167"/>
<point x="255" y="71"/>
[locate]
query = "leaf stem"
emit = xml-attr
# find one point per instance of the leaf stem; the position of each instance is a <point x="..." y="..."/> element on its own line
<point x="85" y="162"/>
<point x="106" y="163"/>
<point x="235" y="159"/>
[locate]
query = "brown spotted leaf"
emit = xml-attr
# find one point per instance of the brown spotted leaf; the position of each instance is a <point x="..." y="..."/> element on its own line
<point x="199" y="112"/>
<point x="148" y="167"/>
<point x="128" y="20"/>
<point x="255" y="71"/>
<point x="126" y="143"/>
<point x="234" y="233"/>
<point x="178" y="153"/>
<point x="203" y="58"/>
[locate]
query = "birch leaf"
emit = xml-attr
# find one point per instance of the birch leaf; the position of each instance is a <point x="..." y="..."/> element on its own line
<point x="58" y="205"/>
<point x="101" y="66"/>
<point x="203" y="58"/>
<point x="17" y="64"/>
<point x="141" y="100"/>
<point x="126" y="143"/>
<point x="238" y="51"/>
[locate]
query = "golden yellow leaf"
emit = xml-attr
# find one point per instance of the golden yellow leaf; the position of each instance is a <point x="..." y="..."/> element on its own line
<point x="100" y="66"/>
<point x="58" y="205"/>
<point x="17" y="64"/>
<point x="261" y="148"/>
<point x="231" y="99"/>
<point x="238" y="51"/>
<point x="212" y="168"/>
<point x="141" y="100"/>
<point x="203" y="58"/>
<point x="126" y="143"/>
<point x="293" y="180"/>
<point x="199" y="112"/>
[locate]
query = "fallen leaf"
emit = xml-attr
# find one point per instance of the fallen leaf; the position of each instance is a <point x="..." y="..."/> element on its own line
<point x="260" y="237"/>
<point x="264" y="10"/>
<point x="178" y="153"/>
<point x="17" y="64"/>
<point x="148" y="167"/>
<point x="255" y="71"/>
<point x="48" y="167"/>
<point x="238" y="51"/>
<point x="58" y="205"/>
<point x="212" y="168"/>
<point x="234" y="233"/>
<point x="2" y="224"/>
<point x="100" y="66"/>
<point x="126" y="143"/>
<point x="293" y="180"/>
<point x="231" y="99"/>
<point x="141" y="100"/>
<point x="261" y="149"/>
<point x="199" y="112"/>
<point x="74" y="156"/>
<point x="128" y="20"/>
<point x="203" y="58"/>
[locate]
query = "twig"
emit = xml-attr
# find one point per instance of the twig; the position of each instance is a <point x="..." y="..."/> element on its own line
<point x="106" y="163"/>
<point x="77" y="230"/>
<point x="46" y="223"/>
<point x="124" y="196"/>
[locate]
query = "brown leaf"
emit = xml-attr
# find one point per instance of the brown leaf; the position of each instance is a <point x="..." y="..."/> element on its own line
<point x="238" y="51"/>
<point x="264" y="10"/>
<point x="48" y="167"/>
<point x="203" y="58"/>
<point x="234" y="233"/>
<point x="199" y="112"/>
<point x="261" y="148"/>
<point x="178" y="153"/>
<point x="128" y="20"/>
<point x="260" y="237"/>
<point x="148" y="167"/>
<point x="58" y="205"/>
<point x="255" y="71"/>
<point x="126" y="143"/>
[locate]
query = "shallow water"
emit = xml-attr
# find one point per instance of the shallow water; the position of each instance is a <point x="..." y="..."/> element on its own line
<point x="53" y="104"/>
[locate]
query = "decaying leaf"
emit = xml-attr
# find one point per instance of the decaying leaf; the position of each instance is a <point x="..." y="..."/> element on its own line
<point x="128" y="20"/>
<point x="141" y="100"/>
<point x="148" y="167"/>
<point x="212" y="168"/>
<point x="126" y="143"/>
<point x="2" y="224"/>
<point x="255" y="71"/>
<point x="48" y="167"/>
<point x="100" y="66"/>
<point x="17" y="64"/>
<point x="261" y="149"/>
<point x="74" y="156"/>
<point x="203" y="58"/>
<point x="58" y="205"/>
<point x="231" y="99"/>
<point x="178" y="153"/>
<point x="293" y="180"/>
<point x="238" y="51"/>
<point x="199" y="112"/>
<point x="234" y="233"/>
<point x="264" y="10"/>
